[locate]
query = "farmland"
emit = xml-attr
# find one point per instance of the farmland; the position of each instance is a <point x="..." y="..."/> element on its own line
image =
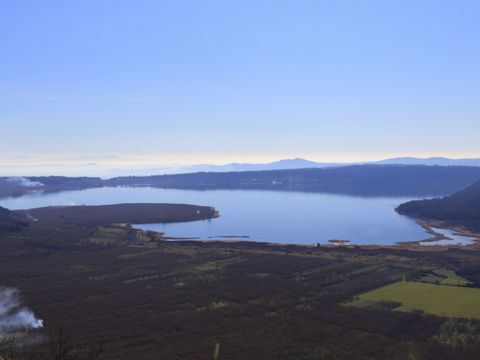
<point x="441" y="300"/>
<point x="444" y="277"/>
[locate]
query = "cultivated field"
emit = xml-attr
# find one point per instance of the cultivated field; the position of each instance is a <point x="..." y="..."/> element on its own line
<point x="441" y="300"/>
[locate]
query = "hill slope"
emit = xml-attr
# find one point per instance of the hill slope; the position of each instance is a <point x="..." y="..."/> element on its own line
<point x="290" y="164"/>
<point x="459" y="209"/>
<point x="360" y="180"/>
<point x="10" y="221"/>
<point x="364" y="180"/>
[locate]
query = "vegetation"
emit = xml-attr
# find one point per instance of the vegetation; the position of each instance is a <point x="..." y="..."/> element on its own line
<point x="460" y="209"/>
<point x="120" y="213"/>
<point x="10" y="221"/>
<point x="56" y="347"/>
<point x="441" y="300"/>
<point x="145" y="298"/>
<point x="459" y="333"/>
<point x="151" y="299"/>
<point x="444" y="277"/>
<point x="362" y="180"/>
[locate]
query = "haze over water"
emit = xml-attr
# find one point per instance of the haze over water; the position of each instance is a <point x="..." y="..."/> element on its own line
<point x="271" y="216"/>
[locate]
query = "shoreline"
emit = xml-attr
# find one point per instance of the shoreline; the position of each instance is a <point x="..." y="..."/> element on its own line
<point x="430" y="225"/>
<point x="414" y="245"/>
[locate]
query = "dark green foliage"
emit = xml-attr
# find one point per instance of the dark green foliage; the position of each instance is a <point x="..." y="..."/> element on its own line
<point x="120" y="213"/>
<point x="10" y="221"/>
<point x="56" y="347"/>
<point x="459" y="333"/>
<point x="362" y="180"/>
<point x="459" y="209"/>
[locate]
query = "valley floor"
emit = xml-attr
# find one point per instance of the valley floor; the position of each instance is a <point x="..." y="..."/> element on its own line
<point x="141" y="297"/>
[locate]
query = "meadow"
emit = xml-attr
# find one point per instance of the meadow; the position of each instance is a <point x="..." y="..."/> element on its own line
<point x="436" y="299"/>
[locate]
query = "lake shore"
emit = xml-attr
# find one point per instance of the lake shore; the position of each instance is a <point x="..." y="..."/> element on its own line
<point x="432" y="227"/>
<point x="416" y="245"/>
<point x="284" y="217"/>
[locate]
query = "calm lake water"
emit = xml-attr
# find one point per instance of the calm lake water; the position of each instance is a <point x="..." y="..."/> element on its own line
<point x="453" y="238"/>
<point x="271" y="216"/>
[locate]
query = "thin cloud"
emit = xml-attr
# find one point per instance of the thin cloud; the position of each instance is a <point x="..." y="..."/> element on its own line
<point x="75" y="99"/>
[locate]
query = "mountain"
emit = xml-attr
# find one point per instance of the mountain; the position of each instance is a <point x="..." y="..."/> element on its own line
<point x="106" y="172"/>
<point x="459" y="209"/>
<point x="433" y="161"/>
<point x="297" y="163"/>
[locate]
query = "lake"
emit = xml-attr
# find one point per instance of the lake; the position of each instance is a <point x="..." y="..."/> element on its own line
<point x="453" y="238"/>
<point x="270" y="216"/>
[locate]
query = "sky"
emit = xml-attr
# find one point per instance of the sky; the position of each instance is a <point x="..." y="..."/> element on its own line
<point x="140" y="82"/>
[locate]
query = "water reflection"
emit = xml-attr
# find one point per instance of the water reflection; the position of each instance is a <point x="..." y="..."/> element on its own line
<point x="271" y="216"/>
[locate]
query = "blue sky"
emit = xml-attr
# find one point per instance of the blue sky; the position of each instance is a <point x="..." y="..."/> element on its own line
<point x="220" y="81"/>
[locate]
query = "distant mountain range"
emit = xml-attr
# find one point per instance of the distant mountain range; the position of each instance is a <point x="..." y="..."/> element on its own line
<point x="300" y="163"/>
<point x="285" y="164"/>
<point x="438" y="161"/>
<point x="92" y="169"/>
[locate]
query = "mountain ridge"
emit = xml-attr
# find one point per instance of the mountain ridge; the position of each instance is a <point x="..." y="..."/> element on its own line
<point x="299" y="163"/>
<point x="105" y="171"/>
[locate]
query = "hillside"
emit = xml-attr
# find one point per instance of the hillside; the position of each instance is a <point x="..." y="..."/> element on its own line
<point x="459" y="209"/>
<point x="358" y="180"/>
<point x="10" y="221"/>
<point x="361" y="180"/>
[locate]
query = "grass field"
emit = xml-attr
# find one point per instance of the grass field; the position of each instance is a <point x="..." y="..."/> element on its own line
<point x="444" y="277"/>
<point x="442" y="300"/>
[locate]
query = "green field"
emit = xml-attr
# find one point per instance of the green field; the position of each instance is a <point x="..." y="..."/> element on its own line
<point x="442" y="300"/>
<point x="444" y="277"/>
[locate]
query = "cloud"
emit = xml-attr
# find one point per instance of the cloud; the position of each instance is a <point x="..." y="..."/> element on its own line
<point x="21" y="181"/>
<point x="74" y="98"/>
<point x="91" y="157"/>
